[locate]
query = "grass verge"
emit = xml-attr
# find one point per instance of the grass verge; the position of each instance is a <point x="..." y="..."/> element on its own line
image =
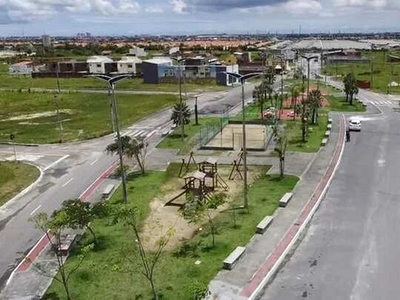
<point x="340" y="104"/>
<point x="14" y="178"/>
<point x="104" y="275"/>
<point x="83" y="116"/>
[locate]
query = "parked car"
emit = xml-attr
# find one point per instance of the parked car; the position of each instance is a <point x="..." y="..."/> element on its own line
<point x="290" y="114"/>
<point x="355" y="124"/>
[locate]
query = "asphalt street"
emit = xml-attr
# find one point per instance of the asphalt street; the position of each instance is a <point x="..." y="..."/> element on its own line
<point x="351" y="248"/>
<point x="69" y="169"/>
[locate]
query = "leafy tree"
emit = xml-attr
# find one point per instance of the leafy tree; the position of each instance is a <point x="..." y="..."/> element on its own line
<point x="80" y="214"/>
<point x="304" y="113"/>
<point x="181" y="114"/>
<point x="258" y="95"/>
<point x="295" y="94"/>
<point x="196" y="211"/>
<point x="280" y="148"/>
<point x="128" y="216"/>
<point x="315" y="102"/>
<point x="53" y="228"/>
<point x="132" y="148"/>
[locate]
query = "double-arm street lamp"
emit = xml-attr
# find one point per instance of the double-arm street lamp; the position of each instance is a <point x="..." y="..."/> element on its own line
<point x="180" y="61"/>
<point x="111" y="81"/>
<point x="308" y="58"/>
<point x="242" y="79"/>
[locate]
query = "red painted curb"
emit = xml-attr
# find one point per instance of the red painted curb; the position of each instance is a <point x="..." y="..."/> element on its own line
<point x="272" y="259"/>
<point x="43" y="242"/>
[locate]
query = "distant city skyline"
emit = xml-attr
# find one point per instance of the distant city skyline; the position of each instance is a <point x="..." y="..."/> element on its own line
<point x="129" y="17"/>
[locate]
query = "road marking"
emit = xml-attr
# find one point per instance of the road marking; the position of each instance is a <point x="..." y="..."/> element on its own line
<point x="151" y="133"/>
<point x="35" y="209"/>
<point x="95" y="161"/>
<point x="65" y="184"/>
<point x="56" y="162"/>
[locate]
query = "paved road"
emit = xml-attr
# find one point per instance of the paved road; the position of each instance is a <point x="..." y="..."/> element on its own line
<point x="351" y="249"/>
<point x="70" y="168"/>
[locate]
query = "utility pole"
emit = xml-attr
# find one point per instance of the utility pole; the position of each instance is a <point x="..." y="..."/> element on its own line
<point x="195" y="111"/>
<point x="372" y="76"/>
<point x="181" y="103"/>
<point x="60" y="126"/>
<point x="389" y="89"/>
<point x="111" y="110"/>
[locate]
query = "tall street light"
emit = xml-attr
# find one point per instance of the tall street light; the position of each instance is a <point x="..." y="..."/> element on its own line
<point x="308" y="58"/>
<point x="111" y="81"/>
<point x="180" y="61"/>
<point x="242" y="79"/>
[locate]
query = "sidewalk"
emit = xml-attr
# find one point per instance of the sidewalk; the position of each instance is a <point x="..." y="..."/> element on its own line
<point x="265" y="252"/>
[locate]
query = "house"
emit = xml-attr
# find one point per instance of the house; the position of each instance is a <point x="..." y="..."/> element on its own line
<point x="129" y="64"/>
<point x="72" y="66"/>
<point x="155" y="68"/>
<point x="21" y="68"/>
<point x="136" y="51"/>
<point x="100" y="65"/>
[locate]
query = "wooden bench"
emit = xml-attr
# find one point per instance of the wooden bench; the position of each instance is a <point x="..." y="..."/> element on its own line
<point x="285" y="199"/>
<point x="327" y="133"/>
<point x="107" y="191"/>
<point x="329" y="126"/>
<point x="264" y="224"/>
<point x="233" y="258"/>
<point x="324" y="142"/>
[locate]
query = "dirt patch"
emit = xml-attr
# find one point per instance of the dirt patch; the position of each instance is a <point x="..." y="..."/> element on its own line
<point x="163" y="218"/>
<point x="38" y="115"/>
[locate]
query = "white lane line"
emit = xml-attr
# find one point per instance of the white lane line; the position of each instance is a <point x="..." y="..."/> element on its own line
<point x="95" y="161"/>
<point x="151" y="133"/>
<point x="139" y="133"/>
<point x="35" y="209"/>
<point x="65" y="184"/>
<point x="56" y="162"/>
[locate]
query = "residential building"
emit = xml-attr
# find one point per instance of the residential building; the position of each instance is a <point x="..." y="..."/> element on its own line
<point x="100" y="65"/>
<point x="155" y="68"/>
<point x="21" y="68"/>
<point x="46" y="41"/>
<point x="137" y="51"/>
<point x="129" y="64"/>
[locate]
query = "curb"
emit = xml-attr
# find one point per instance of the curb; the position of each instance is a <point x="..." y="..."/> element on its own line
<point x="274" y="260"/>
<point x="20" y="144"/>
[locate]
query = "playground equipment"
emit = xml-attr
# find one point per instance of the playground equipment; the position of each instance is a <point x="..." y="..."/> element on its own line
<point x="210" y="168"/>
<point x="237" y="167"/>
<point x="185" y="166"/>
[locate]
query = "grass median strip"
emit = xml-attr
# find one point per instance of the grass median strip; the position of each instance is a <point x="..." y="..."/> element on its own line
<point x="183" y="270"/>
<point x="32" y="117"/>
<point x="14" y="178"/>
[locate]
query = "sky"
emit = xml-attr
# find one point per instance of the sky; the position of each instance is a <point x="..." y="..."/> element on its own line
<point x="131" y="17"/>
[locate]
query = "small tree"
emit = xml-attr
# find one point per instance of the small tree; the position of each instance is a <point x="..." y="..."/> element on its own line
<point x="304" y="113"/>
<point x="196" y="211"/>
<point x="80" y="214"/>
<point x="53" y="228"/>
<point x="280" y="148"/>
<point x="132" y="148"/>
<point x="128" y="215"/>
<point x="315" y="102"/>
<point x="181" y="114"/>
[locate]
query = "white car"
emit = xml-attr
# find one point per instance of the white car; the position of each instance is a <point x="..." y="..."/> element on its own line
<point x="354" y="124"/>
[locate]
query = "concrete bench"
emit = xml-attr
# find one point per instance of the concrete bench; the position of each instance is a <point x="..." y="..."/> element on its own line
<point x="329" y="126"/>
<point x="329" y="121"/>
<point x="324" y="142"/>
<point x="327" y="133"/>
<point x="107" y="191"/>
<point x="233" y="258"/>
<point x="66" y="243"/>
<point x="285" y="199"/>
<point x="264" y="224"/>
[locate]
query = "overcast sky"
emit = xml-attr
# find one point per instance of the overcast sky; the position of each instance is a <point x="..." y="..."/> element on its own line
<point x="128" y="17"/>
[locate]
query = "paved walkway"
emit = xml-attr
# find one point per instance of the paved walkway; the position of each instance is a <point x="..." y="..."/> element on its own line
<point x="264" y="251"/>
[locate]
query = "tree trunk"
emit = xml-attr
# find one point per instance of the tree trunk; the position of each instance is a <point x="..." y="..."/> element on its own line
<point x="351" y="99"/>
<point x="92" y="233"/>
<point x="212" y="231"/>
<point x="294" y="109"/>
<point x="262" y="111"/>
<point x="65" y="284"/>
<point x="153" y="288"/>
<point x="347" y="97"/>
<point x="282" y="166"/>
<point x="140" y="163"/>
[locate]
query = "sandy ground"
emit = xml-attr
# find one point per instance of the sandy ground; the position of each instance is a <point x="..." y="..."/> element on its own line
<point x="163" y="218"/>
<point x="38" y="115"/>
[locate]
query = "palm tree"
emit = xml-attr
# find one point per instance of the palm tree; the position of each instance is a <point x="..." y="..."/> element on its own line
<point x="295" y="94"/>
<point x="347" y="86"/>
<point x="352" y="87"/>
<point x="181" y="112"/>
<point x="131" y="148"/>
<point x="315" y="102"/>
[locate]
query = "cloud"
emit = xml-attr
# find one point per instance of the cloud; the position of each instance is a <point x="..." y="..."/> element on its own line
<point x="154" y="9"/>
<point x="178" y="6"/>
<point x="222" y="5"/>
<point x="366" y="4"/>
<point x="22" y="11"/>
<point x="303" y="6"/>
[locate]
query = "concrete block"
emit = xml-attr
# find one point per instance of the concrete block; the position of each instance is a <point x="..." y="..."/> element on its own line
<point x="264" y="224"/>
<point x="327" y="133"/>
<point x="329" y="121"/>
<point x="324" y="142"/>
<point x="285" y="199"/>
<point x="329" y="126"/>
<point x="233" y="258"/>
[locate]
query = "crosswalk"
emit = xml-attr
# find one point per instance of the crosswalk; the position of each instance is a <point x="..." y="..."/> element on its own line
<point x="385" y="103"/>
<point x="142" y="133"/>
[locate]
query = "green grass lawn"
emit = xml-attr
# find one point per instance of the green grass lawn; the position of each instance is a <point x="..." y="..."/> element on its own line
<point x="14" y="178"/>
<point x="381" y="71"/>
<point x="104" y="275"/>
<point x="340" y="104"/>
<point x="135" y="84"/>
<point x="192" y="135"/>
<point x="84" y="116"/>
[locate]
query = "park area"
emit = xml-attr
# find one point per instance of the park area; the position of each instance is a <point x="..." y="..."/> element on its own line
<point x="14" y="178"/>
<point x="113" y="269"/>
<point x="32" y="117"/>
<point x="379" y="72"/>
<point x="135" y="84"/>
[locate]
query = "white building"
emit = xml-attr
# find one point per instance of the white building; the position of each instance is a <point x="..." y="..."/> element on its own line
<point x="21" y="68"/>
<point x="139" y="52"/>
<point x="46" y="40"/>
<point x="97" y="64"/>
<point x="128" y="64"/>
